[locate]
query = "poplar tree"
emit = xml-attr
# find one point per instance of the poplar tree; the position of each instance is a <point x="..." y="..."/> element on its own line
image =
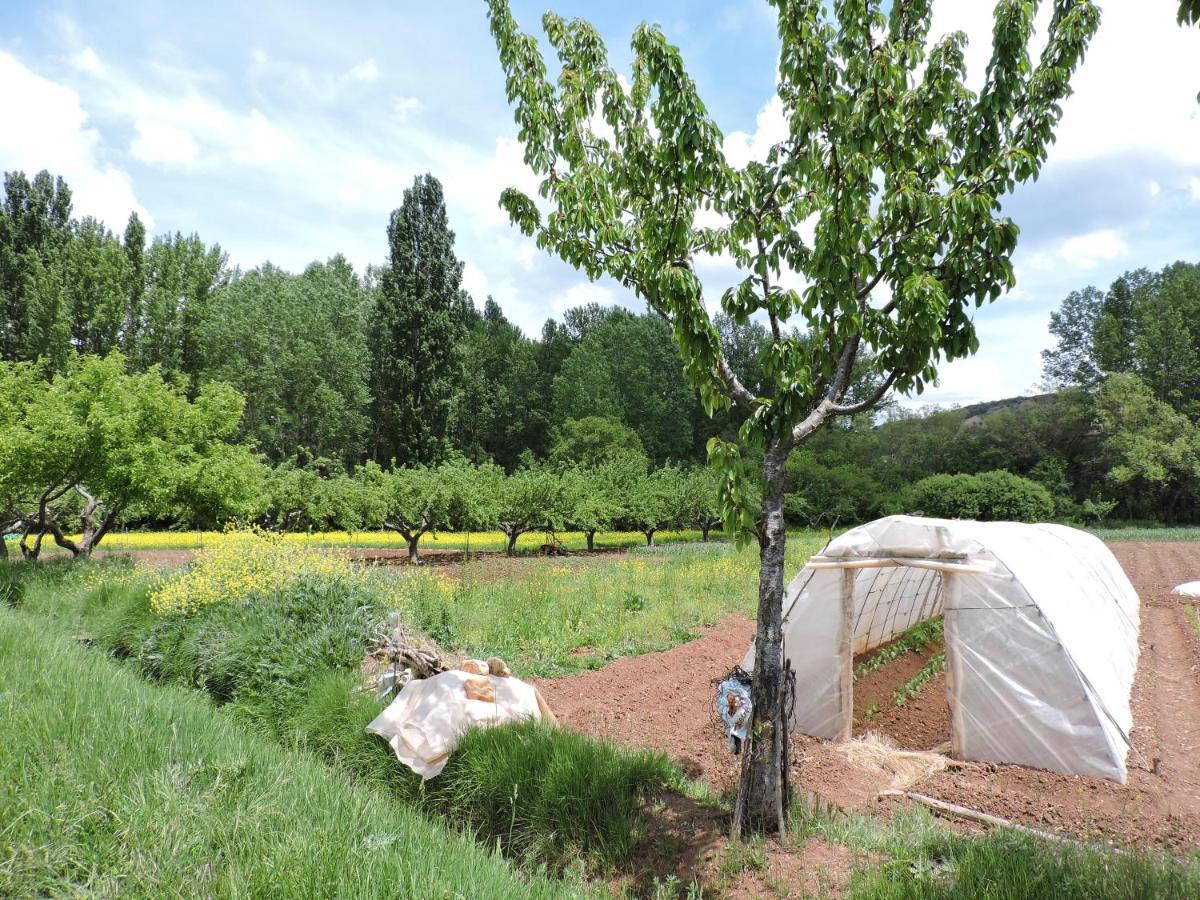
<point x="416" y="328"/>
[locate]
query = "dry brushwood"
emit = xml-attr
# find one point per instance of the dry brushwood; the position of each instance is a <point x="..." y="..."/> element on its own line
<point x="400" y="648"/>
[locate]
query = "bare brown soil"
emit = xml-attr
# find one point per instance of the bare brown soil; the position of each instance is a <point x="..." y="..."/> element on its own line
<point x="483" y="565"/>
<point x="663" y="701"/>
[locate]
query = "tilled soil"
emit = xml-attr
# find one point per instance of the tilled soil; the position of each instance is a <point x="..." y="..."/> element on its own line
<point x="663" y="701"/>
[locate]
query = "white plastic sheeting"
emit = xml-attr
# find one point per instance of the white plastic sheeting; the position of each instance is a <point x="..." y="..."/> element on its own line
<point x="424" y="723"/>
<point x="1041" y="635"/>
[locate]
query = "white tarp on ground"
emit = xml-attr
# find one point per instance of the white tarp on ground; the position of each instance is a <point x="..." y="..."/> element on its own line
<point x="1041" y="633"/>
<point x="424" y="723"/>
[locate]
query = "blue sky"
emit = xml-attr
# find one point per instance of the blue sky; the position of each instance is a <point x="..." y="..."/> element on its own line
<point x="288" y="131"/>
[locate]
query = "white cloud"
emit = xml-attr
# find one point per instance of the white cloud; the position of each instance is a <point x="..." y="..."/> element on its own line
<point x="1081" y="251"/>
<point x="771" y="128"/>
<point x="86" y="60"/>
<point x="348" y="194"/>
<point x="365" y="71"/>
<point x="474" y="282"/>
<point x="47" y="129"/>
<point x="163" y="143"/>
<point x="260" y="142"/>
<point x="1086" y="251"/>
<point x="1136" y="89"/>
<point x="405" y="107"/>
<point x="190" y="127"/>
<point x="1155" y="188"/>
<point x="1194" y="187"/>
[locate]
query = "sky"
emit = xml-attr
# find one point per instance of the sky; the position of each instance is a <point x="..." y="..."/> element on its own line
<point x="287" y="132"/>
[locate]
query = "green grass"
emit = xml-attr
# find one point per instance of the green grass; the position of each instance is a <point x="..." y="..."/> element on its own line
<point x="581" y="614"/>
<point x="288" y="666"/>
<point x="1146" y="532"/>
<point x="922" y="858"/>
<point x="1194" y="618"/>
<point x="111" y="786"/>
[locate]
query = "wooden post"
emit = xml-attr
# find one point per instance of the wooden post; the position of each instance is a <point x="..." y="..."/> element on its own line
<point x="846" y="688"/>
<point x="952" y="668"/>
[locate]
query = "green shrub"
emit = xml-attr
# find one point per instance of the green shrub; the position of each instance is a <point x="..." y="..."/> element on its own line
<point x="260" y="654"/>
<point x="996" y="496"/>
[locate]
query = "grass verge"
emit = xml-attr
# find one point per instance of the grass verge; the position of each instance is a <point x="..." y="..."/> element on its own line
<point x="112" y="786"/>
<point x="287" y="663"/>
<point x="912" y="856"/>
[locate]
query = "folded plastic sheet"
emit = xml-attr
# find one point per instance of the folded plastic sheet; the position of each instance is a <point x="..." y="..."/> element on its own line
<point x="425" y="722"/>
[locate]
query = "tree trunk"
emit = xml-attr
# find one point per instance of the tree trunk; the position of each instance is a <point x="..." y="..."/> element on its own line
<point x="511" y="548"/>
<point x="763" y="794"/>
<point x="704" y="533"/>
<point x="413" y="557"/>
<point x="27" y="552"/>
<point x="591" y="540"/>
<point x="649" y="536"/>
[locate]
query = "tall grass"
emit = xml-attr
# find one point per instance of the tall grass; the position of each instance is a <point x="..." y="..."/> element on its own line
<point x="110" y="786"/>
<point x="579" y="614"/>
<point x="287" y="663"/>
<point x="913" y="856"/>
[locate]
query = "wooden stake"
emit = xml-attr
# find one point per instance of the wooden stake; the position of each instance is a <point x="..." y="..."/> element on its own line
<point x="953" y="661"/>
<point x="846" y="688"/>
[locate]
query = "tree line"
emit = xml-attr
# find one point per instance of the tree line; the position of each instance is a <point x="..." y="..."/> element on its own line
<point x="1115" y="435"/>
<point x="95" y="445"/>
<point x="337" y="368"/>
<point x="399" y="368"/>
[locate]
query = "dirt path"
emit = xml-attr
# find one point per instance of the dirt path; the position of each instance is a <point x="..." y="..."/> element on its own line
<point x="663" y="701"/>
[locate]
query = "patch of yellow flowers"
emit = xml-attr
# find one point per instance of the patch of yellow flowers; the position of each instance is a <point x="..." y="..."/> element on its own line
<point x="243" y="566"/>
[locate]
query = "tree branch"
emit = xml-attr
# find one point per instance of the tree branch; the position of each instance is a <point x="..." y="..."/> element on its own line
<point x="852" y="408"/>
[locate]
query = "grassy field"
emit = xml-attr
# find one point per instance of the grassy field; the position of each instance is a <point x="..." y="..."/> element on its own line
<point x="111" y="786"/>
<point x="571" y="614"/>
<point x="285" y="660"/>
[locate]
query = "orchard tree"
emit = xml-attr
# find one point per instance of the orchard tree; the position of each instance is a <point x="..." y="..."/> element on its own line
<point x="883" y="197"/>
<point x="703" y="500"/>
<point x="530" y="499"/>
<point x="416" y="500"/>
<point x="95" y="442"/>
<point x="658" y="500"/>
<point x="597" y="496"/>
